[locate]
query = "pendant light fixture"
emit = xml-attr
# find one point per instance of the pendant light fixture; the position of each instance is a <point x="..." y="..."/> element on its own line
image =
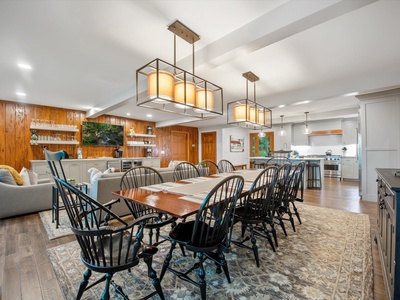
<point x="172" y="89"/>
<point x="247" y="113"/>
<point x="306" y="130"/>
<point x="282" y="131"/>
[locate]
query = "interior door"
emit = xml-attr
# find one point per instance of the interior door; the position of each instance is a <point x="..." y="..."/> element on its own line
<point x="180" y="145"/>
<point x="209" y="146"/>
<point x="261" y="146"/>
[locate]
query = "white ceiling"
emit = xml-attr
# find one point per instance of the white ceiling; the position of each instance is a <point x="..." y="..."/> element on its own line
<point x="84" y="54"/>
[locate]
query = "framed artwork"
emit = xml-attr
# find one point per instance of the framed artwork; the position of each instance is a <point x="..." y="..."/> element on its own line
<point x="237" y="143"/>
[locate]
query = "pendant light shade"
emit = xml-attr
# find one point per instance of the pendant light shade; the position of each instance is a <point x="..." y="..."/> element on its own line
<point x="205" y="99"/>
<point x="184" y="94"/>
<point x="247" y="113"/>
<point x="172" y="89"/>
<point x="306" y="130"/>
<point x="282" y="131"/>
<point x="160" y="86"/>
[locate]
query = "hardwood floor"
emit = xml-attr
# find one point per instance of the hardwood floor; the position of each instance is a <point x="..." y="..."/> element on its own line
<point x="26" y="271"/>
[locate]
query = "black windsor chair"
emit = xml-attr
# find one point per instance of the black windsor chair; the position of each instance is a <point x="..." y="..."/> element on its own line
<point x="225" y="166"/>
<point x="290" y="196"/>
<point x="105" y="248"/>
<point x="138" y="177"/>
<point x="207" y="167"/>
<point x="255" y="208"/>
<point x="185" y="170"/>
<point x="208" y="235"/>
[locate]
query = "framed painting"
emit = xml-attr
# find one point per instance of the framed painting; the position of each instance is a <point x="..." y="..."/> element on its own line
<point x="237" y="143"/>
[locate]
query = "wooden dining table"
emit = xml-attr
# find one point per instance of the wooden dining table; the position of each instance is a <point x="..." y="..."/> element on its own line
<point x="182" y="198"/>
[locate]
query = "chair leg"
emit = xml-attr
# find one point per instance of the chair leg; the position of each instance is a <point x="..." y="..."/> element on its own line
<point x="224" y="264"/>
<point x="254" y="247"/>
<point x="152" y="275"/>
<point x="84" y="283"/>
<point x="280" y="219"/>
<point x="151" y="237"/>
<point x="291" y="220"/>
<point x="119" y="290"/>
<point x="296" y="212"/>
<point x="202" y="275"/>
<point x="106" y="292"/>
<point x="167" y="260"/>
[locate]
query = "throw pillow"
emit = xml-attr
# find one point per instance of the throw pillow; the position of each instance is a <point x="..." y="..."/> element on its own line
<point x="25" y="176"/>
<point x="33" y="177"/>
<point x="6" y="177"/>
<point x="109" y="170"/>
<point x="14" y="173"/>
<point x="94" y="174"/>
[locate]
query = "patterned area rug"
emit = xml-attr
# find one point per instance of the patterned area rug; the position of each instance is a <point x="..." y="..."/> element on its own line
<point x="53" y="232"/>
<point x="329" y="257"/>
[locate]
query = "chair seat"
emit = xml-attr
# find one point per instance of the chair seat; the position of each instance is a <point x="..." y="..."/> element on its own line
<point x="182" y="233"/>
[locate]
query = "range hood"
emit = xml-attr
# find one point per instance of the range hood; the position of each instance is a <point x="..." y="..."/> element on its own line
<point x="327" y="132"/>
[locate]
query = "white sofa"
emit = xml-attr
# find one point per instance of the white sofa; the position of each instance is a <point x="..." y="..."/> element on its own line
<point x="20" y="199"/>
<point x="101" y="189"/>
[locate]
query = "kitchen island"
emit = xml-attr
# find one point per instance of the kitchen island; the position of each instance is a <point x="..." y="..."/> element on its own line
<point x="309" y="160"/>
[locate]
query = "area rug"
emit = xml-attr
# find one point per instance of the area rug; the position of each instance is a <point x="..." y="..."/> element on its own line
<point x="64" y="227"/>
<point x="328" y="257"/>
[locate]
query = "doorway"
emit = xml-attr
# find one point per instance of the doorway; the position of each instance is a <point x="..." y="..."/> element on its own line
<point x="209" y="146"/>
<point x="261" y="146"/>
<point x="180" y="145"/>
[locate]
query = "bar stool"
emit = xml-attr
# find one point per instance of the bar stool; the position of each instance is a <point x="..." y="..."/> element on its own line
<point x="314" y="176"/>
<point x="259" y="165"/>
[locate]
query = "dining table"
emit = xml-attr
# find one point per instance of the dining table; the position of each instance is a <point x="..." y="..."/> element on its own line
<point x="184" y="197"/>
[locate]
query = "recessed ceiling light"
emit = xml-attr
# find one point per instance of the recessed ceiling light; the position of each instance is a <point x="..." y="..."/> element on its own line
<point x="351" y="94"/>
<point x="128" y="114"/>
<point x="20" y="94"/>
<point x="149" y="115"/>
<point x="302" y="102"/>
<point x="282" y="105"/>
<point x="25" y="66"/>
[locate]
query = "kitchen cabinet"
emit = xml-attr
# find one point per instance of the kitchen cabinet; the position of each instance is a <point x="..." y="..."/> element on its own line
<point x="349" y="168"/>
<point x="153" y="162"/>
<point x="387" y="235"/>
<point x="349" y="132"/>
<point x="298" y="137"/>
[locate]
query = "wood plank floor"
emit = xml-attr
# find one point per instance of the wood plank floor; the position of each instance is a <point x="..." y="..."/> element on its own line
<point x="26" y="271"/>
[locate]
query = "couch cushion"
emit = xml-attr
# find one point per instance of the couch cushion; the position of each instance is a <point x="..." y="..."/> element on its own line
<point x="111" y="175"/>
<point x="14" y="173"/>
<point x="25" y="176"/>
<point x="33" y="177"/>
<point x="6" y="177"/>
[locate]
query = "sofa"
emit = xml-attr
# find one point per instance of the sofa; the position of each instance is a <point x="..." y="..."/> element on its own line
<point x="102" y="187"/>
<point x="23" y="199"/>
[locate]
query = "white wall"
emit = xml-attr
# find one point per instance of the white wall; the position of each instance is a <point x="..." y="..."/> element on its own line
<point x="223" y="144"/>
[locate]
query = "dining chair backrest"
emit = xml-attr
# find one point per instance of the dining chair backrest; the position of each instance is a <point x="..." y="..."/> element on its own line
<point x="207" y="167"/>
<point x="104" y="249"/>
<point x="281" y="182"/>
<point x="225" y="166"/>
<point x="54" y="161"/>
<point x="257" y="203"/>
<point x="213" y="219"/>
<point x="293" y="184"/>
<point x="138" y="177"/>
<point x="185" y="170"/>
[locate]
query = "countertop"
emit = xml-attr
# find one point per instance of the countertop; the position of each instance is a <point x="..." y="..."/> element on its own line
<point x="300" y="158"/>
<point x="102" y="158"/>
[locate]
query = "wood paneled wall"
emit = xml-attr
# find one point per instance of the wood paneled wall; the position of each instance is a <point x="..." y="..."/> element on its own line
<point x="16" y="150"/>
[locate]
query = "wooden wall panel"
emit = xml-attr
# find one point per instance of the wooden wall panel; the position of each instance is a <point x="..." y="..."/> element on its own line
<point x="16" y="151"/>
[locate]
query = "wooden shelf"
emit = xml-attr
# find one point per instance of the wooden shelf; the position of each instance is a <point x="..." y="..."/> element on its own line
<point x="55" y="128"/>
<point x="54" y="142"/>
<point x="140" y="135"/>
<point x="130" y="144"/>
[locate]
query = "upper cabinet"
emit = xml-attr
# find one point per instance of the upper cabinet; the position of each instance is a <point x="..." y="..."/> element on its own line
<point x="349" y="132"/>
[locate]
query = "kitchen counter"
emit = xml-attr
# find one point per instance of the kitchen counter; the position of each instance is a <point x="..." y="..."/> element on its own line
<point x="314" y="160"/>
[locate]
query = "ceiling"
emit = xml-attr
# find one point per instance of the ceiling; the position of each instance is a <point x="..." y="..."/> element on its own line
<point x="84" y="54"/>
